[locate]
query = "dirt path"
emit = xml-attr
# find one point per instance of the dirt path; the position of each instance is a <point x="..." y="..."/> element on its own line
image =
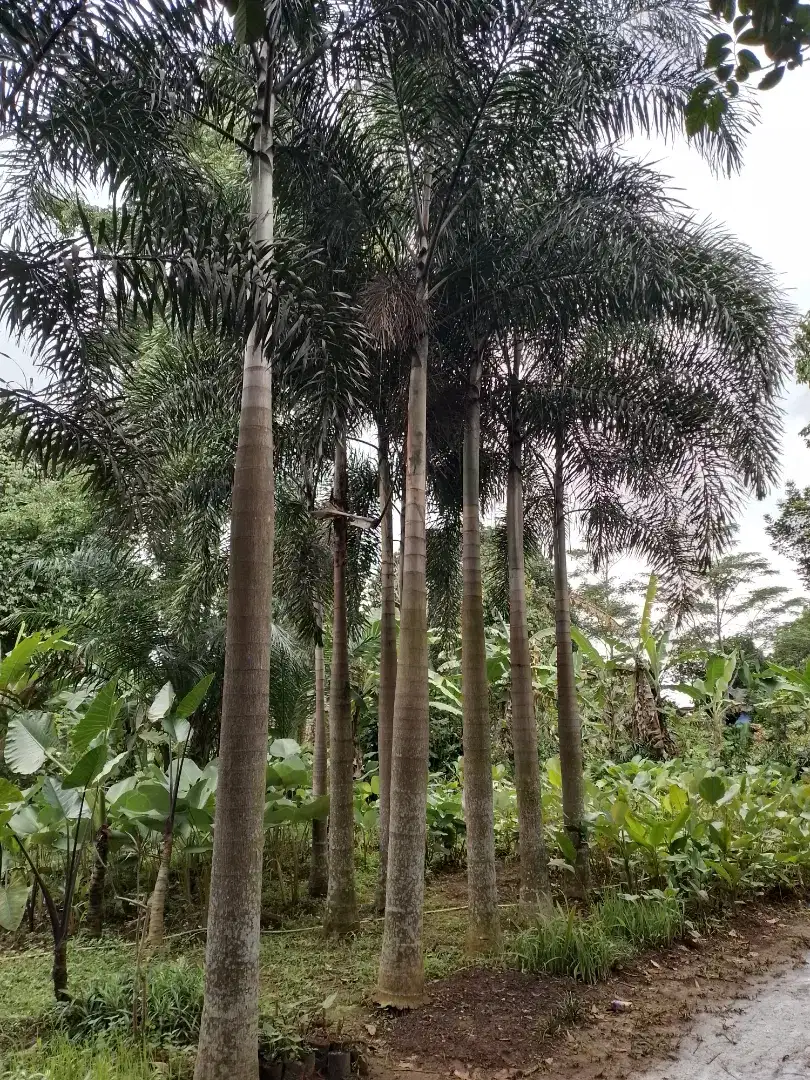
<point x="767" y="1038"/>
<point x="736" y="1005"/>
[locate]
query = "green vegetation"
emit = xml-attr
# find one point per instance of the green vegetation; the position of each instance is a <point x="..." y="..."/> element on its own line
<point x="264" y="672"/>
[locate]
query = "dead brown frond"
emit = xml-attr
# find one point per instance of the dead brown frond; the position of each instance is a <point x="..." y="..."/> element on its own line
<point x="392" y="310"/>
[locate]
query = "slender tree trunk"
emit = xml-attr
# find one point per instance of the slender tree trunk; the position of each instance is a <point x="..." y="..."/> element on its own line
<point x="568" y="724"/>
<point x="157" y="901"/>
<point x="534" y="884"/>
<point x="228" y="1045"/>
<point x="402" y="975"/>
<point x="59" y="972"/>
<point x="483" y="929"/>
<point x="341" y="902"/>
<point x="319" y="864"/>
<point x="401" y="572"/>
<point x="95" y="890"/>
<point x="388" y="658"/>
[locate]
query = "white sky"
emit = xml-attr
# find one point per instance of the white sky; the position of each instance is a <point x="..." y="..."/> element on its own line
<point x="765" y="205"/>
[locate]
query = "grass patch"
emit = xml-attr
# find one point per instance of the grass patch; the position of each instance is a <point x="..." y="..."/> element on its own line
<point x="164" y="1010"/>
<point x="653" y="921"/>
<point x="567" y="944"/>
<point x="589" y="947"/>
<point x="60" y="1059"/>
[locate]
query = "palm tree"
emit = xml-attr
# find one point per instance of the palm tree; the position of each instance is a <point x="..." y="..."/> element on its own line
<point x="653" y="432"/>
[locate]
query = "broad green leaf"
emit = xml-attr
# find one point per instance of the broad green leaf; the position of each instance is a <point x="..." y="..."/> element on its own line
<point x="553" y="772"/>
<point x="445" y="706"/>
<point x="712" y="789"/>
<point x="66" y="800"/>
<point x="279" y="812"/>
<point x="162" y="703"/>
<point x="194" y="698"/>
<point x="199" y="817"/>
<point x="9" y="793"/>
<point x="566" y="846"/>
<point x="618" y="811"/>
<point x="18" y="659"/>
<point x="649" y="600"/>
<point x="282" y="748"/>
<point x="157" y="796"/>
<point x="176" y="728"/>
<point x="374" y="783"/>
<point x="110" y="766"/>
<point x="585" y="647"/>
<point x="98" y="719"/>
<point x="291" y="772"/>
<point x="190" y="774"/>
<point x="675" y="826"/>
<point x="678" y="798"/>
<point x="120" y="788"/>
<point x="25" y="822"/>
<point x="13" y="899"/>
<point x="87" y="768"/>
<point x="30" y="736"/>
<point x="315" y="809"/>
<point x="637" y="830"/>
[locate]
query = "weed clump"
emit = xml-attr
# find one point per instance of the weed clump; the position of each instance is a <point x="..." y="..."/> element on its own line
<point x="589" y="947"/>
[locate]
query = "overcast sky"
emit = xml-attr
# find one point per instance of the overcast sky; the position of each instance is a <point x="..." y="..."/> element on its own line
<point x="765" y="205"/>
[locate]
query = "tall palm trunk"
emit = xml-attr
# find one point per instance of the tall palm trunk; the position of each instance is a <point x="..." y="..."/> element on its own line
<point x="319" y="866"/>
<point x="568" y="724"/>
<point x="228" y="1044"/>
<point x="157" y="901"/>
<point x="402" y="974"/>
<point x="388" y="657"/>
<point x="341" y="902"/>
<point x="534" y="884"/>
<point x="483" y="928"/>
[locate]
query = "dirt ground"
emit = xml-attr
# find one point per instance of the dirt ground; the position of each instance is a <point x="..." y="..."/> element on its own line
<point x="495" y="1025"/>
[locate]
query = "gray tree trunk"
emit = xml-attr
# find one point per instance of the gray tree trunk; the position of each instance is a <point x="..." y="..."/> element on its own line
<point x="341" y="902"/>
<point x="402" y="975"/>
<point x="568" y="723"/>
<point x="229" y="1030"/>
<point x="388" y="658"/>
<point x="319" y="861"/>
<point x="535" y="891"/>
<point x="483" y="928"/>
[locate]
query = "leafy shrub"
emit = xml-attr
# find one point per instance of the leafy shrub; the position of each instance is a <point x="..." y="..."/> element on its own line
<point x="567" y="944"/>
<point x="114" y="1006"/>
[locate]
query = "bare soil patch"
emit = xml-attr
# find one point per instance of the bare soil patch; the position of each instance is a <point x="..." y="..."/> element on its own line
<point x="484" y="1023"/>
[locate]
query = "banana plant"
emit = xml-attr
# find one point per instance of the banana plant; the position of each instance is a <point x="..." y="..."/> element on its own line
<point x="711" y="694"/>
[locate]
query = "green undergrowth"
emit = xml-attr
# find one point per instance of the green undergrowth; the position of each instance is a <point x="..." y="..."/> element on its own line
<point x="588" y="947"/>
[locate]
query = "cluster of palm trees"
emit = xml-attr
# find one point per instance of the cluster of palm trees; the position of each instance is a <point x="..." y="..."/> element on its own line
<point x="410" y="219"/>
